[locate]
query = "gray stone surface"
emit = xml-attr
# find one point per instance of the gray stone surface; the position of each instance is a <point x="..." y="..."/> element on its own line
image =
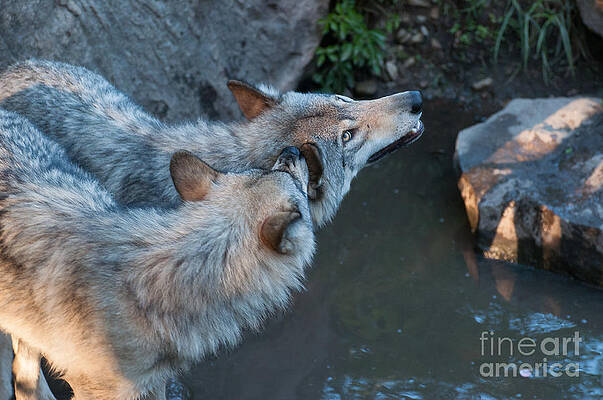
<point x="531" y="177"/>
<point x="591" y="12"/>
<point x="172" y="57"/>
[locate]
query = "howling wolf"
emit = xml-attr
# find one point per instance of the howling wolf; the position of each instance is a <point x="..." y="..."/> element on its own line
<point x="128" y="150"/>
<point x="121" y="298"/>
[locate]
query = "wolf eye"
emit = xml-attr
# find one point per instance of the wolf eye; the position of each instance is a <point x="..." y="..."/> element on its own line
<point x="347" y="135"/>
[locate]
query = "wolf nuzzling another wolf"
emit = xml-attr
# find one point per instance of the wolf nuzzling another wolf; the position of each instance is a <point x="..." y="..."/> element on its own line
<point x="128" y="150"/>
<point x="119" y="298"/>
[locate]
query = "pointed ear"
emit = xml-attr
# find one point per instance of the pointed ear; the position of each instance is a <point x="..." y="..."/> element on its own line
<point x="192" y="177"/>
<point x="252" y="101"/>
<point x="274" y="229"/>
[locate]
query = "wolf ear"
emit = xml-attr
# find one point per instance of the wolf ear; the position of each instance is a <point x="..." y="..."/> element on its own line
<point x="192" y="177"/>
<point x="252" y="101"/>
<point x="313" y="157"/>
<point x="274" y="231"/>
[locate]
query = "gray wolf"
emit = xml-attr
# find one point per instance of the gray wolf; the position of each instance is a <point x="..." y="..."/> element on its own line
<point x="128" y="150"/>
<point x="121" y="298"/>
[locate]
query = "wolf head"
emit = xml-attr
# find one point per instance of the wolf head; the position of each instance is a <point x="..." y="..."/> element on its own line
<point x="337" y="135"/>
<point x="270" y="207"/>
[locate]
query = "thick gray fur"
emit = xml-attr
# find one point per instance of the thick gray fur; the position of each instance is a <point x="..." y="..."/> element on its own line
<point x="122" y="298"/>
<point x="128" y="150"/>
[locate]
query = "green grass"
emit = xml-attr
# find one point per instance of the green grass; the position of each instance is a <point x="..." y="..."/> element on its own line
<point x="547" y="33"/>
<point x="545" y="29"/>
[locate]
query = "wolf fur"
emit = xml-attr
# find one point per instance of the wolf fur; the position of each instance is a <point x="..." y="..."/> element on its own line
<point x="120" y="298"/>
<point x="128" y="150"/>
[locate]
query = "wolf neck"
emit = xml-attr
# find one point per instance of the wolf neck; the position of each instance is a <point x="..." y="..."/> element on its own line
<point x="198" y="295"/>
<point x="232" y="147"/>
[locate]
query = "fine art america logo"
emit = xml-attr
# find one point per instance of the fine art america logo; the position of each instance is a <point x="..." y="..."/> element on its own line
<point x="544" y="350"/>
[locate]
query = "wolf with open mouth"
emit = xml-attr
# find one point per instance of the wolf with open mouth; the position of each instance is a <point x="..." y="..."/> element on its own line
<point x="129" y="150"/>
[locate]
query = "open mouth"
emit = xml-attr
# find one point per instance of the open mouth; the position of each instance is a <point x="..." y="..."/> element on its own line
<point x="411" y="137"/>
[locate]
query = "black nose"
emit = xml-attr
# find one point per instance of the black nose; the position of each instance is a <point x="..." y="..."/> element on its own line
<point x="416" y="102"/>
<point x="291" y="150"/>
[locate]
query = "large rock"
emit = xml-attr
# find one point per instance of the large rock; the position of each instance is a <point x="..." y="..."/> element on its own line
<point x="531" y="177"/>
<point x="591" y="12"/>
<point x="172" y="57"/>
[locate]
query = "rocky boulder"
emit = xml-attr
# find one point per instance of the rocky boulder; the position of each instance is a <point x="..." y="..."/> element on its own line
<point x="172" y="57"/>
<point x="531" y="177"/>
<point x="591" y="12"/>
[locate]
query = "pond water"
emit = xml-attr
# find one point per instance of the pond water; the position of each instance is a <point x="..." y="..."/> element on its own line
<point x="397" y="301"/>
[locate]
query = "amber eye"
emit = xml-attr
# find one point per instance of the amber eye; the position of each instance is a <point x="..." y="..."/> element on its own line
<point x="346" y="136"/>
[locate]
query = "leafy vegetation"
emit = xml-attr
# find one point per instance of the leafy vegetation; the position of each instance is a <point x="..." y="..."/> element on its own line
<point x="470" y="27"/>
<point x="351" y="46"/>
<point x="537" y="25"/>
<point x="545" y="32"/>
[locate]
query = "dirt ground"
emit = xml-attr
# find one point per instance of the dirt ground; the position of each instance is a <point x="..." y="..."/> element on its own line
<point x="438" y="50"/>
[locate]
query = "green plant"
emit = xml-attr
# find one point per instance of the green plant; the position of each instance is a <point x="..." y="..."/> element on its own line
<point x="482" y="32"/>
<point x="351" y="46"/>
<point x="393" y="23"/>
<point x="468" y="25"/>
<point x="545" y="29"/>
<point x="475" y="7"/>
<point x="465" y="39"/>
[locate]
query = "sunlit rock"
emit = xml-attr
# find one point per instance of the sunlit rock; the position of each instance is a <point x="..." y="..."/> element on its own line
<point x="531" y="177"/>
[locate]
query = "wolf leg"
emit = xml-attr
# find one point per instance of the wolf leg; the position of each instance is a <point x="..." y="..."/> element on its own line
<point x="29" y="380"/>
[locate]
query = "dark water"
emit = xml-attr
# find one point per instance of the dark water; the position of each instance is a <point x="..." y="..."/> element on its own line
<point x="397" y="302"/>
